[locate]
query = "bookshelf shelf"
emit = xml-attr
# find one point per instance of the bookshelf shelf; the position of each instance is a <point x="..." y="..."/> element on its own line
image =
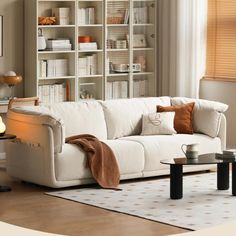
<point x="109" y="23"/>
<point x="90" y="76"/>
<point x="56" y="78"/>
<point x="118" y="74"/>
<point x="91" y="25"/>
<point x="97" y="50"/>
<point x="55" y="52"/>
<point x="56" y="26"/>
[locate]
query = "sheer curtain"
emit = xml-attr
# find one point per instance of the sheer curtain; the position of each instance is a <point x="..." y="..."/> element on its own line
<point x="182" y="46"/>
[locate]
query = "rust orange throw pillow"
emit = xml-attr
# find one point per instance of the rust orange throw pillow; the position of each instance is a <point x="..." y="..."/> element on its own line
<point x="183" y="117"/>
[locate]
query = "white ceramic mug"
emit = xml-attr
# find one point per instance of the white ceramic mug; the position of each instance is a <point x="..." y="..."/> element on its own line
<point x="191" y="150"/>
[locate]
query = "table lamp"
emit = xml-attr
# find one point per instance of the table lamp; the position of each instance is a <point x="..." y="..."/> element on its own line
<point x="11" y="79"/>
<point x="2" y="127"/>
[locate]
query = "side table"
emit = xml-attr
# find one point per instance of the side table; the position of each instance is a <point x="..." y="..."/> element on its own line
<point x="6" y="137"/>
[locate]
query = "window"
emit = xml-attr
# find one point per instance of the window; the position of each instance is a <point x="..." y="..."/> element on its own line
<point x="221" y="43"/>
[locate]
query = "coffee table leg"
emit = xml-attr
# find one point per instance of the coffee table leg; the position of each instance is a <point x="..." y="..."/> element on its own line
<point x="223" y="176"/>
<point x="234" y="179"/>
<point x="176" y="181"/>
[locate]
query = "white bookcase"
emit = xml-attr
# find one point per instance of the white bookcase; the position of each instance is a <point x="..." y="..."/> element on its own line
<point x="125" y="32"/>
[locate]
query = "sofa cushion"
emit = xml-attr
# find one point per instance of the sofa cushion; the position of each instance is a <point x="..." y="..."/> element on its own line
<point x="85" y="117"/>
<point x="124" y="116"/>
<point x="183" y="121"/>
<point x="158" y="123"/>
<point x="71" y="163"/>
<point x="206" y="114"/>
<point x="169" y="146"/>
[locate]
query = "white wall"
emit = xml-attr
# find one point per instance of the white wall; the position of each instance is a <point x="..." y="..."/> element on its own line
<point x="223" y="92"/>
<point x="12" y="11"/>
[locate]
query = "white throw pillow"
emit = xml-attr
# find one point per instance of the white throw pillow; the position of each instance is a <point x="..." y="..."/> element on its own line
<point x="158" y="123"/>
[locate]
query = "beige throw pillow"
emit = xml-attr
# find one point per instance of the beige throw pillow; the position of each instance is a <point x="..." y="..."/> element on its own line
<point x="158" y="123"/>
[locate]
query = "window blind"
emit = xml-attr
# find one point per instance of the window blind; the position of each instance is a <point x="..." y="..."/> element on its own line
<point x="221" y="41"/>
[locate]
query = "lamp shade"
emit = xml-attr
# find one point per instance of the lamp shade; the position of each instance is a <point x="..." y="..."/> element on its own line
<point x="2" y="127"/>
<point x="11" y="80"/>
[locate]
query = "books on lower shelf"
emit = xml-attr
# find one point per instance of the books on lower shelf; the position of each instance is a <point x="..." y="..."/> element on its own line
<point x="53" y="67"/>
<point x="117" y="89"/>
<point x="87" y="65"/>
<point x="86" y="16"/>
<point x="139" y="88"/>
<point x="53" y="93"/>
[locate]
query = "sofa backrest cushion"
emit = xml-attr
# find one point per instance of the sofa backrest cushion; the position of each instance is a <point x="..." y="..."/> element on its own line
<point x="84" y="117"/>
<point x="124" y="116"/>
<point x="206" y="114"/>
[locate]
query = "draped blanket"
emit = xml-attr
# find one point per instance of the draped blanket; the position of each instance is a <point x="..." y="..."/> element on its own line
<point x="100" y="160"/>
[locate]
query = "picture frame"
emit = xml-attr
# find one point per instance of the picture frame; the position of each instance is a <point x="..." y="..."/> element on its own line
<point x="139" y="40"/>
<point x="1" y="36"/>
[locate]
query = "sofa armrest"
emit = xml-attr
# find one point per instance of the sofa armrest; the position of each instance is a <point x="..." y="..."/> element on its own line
<point x="25" y="124"/>
<point x="222" y="132"/>
<point x="206" y="115"/>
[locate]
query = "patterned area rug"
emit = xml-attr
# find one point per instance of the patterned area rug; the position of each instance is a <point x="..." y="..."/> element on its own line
<point x="202" y="205"/>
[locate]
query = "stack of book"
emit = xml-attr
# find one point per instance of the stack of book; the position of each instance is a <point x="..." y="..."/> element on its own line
<point x="139" y="88"/>
<point x="140" y="15"/>
<point x="230" y="154"/>
<point x="53" y="68"/>
<point x="62" y="15"/>
<point x="59" y="44"/>
<point x="86" y="16"/>
<point x="117" y="89"/>
<point x="88" y="46"/>
<point x="54" y="93"/>
<point x="87" y="65"/>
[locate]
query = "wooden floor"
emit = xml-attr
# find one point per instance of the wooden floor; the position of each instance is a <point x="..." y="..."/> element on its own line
<point x="27" y="206"/>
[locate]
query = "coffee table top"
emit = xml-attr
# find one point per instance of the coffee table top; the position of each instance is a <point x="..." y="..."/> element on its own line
<point x="201" y="160"/>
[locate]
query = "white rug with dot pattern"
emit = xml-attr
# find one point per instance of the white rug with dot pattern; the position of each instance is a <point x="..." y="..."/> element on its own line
<point x="201" y="206"/>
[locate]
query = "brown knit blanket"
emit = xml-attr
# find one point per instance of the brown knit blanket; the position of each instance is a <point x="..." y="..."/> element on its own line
<point x="100" y="160"/>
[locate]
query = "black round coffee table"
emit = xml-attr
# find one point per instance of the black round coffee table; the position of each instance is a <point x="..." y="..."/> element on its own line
<point x="176" y="172"/>
<point x="5" y="137"/>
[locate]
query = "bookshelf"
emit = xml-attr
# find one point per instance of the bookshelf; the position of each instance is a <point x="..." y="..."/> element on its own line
<point x="103" y="49"/>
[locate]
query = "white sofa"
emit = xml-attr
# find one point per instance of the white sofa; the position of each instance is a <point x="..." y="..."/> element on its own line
<point x="40" y="154"/>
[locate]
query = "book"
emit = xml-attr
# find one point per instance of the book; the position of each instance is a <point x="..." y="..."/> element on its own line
<point x="224" y="156"/>
<point x="229" y="152"/>
<point x="88" y="46"/>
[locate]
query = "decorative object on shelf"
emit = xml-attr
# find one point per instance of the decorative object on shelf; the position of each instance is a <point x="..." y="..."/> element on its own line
<point x="142" y="61"/>
<point x="139" y="40"/>
<point x="116" y="44"/>
<point x="11" y="79"/>
<point x="46" y="20"/>
<point x="122" y="68"/>
<point x="1" y="36"/>
<point x="62" y="15"/>
<point x="41" y="40"/>
<point x="85" y="39"/>
<point x="2" y="127"/>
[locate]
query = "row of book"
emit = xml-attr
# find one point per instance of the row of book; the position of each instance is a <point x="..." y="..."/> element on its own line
<point x="87" y="65"/>
<point x="54" y="93"/>
<point x="53" y="67"/>
<point x="117" y="89"/>
<point x="139" y="88"/>
<point x="86" y="16"/>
